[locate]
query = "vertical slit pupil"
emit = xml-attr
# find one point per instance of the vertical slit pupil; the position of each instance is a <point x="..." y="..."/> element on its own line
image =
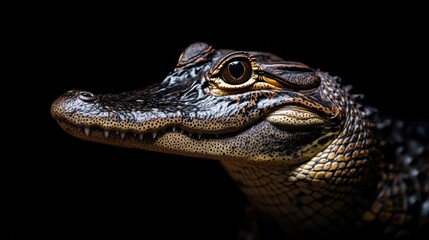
<point x="236" y="69"/>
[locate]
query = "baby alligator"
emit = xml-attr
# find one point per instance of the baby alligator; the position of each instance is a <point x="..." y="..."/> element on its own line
<point x="304" y="150"/>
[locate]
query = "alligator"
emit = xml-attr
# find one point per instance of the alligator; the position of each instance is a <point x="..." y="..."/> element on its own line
<point x="312" y="159"/>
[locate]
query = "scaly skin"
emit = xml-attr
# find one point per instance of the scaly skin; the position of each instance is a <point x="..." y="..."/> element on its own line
<point x="301" y="148"/>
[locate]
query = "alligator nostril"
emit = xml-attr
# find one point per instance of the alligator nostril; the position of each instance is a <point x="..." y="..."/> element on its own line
<point x="87" y="96"/>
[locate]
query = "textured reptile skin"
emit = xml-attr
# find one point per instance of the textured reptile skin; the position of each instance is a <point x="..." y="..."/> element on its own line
<point x="392" y="201"/>
<point x="312" y="160"/>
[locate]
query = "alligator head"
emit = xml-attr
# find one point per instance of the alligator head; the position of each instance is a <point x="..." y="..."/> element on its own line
<point x="224" y="104"/>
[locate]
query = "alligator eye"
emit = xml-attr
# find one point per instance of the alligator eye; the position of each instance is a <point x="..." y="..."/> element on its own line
<point x="236" y="72"/>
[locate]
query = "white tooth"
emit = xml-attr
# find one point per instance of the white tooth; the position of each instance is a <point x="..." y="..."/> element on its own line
<point x="190" y="134"/>
<point x="199" y="135"/>
<point x="135" y="134"/>
<point x="174" y="129"/>
<point x="87" y="130"/>
<point x="106" y="133"/>
<point x="217" y="135"/>
<point x="154" y="134"/>
<point x="117" y="132"/>
<point x="122" y="135"/>
<point x="141" y="136"/>
<point x="58" y="121"/>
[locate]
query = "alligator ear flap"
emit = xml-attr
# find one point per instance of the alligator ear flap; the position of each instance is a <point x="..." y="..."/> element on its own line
<point x="195" y="54"/>
<point x="293" y="75"/>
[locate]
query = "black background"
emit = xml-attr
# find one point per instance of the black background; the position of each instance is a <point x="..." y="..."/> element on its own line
<point x="55" y="186"/>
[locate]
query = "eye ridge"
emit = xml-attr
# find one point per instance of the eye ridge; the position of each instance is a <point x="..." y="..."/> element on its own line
<point x="237" y="72"/>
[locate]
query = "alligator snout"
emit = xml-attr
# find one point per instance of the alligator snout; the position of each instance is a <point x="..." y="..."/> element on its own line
<point x="72" y="102"/>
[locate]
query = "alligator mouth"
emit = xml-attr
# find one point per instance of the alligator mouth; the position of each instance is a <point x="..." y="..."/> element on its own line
<point x="264" y="138"/>
<point x="291" y="118"/>
<point x="99" y="133"/>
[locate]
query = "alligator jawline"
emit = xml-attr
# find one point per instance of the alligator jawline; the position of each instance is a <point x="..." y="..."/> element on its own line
<point x="93" y="133"/>
<point x="100" y="134"/>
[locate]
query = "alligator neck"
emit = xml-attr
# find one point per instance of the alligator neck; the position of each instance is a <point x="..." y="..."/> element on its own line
<point x="323" y="195"/>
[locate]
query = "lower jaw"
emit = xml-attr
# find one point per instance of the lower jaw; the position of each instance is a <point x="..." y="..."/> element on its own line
<point x="260" y="144"/>
<point x="177" y="142"/>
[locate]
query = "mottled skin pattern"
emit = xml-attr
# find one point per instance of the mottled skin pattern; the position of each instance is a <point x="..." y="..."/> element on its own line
<point x="309" y="157"/>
